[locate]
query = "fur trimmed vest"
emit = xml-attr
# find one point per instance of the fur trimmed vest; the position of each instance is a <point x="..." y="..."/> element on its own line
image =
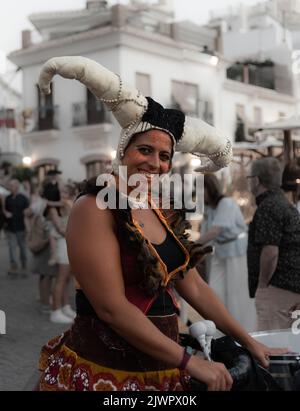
<point x="144" y="271"/>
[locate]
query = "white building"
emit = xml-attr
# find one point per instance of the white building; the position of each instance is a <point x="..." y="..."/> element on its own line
<point x="262" y="39"/>
<point x="73" y="131"/>
<point x="163" y="58"/>
<point x="11" y="148"/>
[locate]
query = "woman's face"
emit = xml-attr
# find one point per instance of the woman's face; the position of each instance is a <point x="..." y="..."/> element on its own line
<point x="150" y="153"/>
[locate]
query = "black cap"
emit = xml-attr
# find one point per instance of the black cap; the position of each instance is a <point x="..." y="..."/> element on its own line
<point x="165" y="118"/>
<point x="53" y="172"/>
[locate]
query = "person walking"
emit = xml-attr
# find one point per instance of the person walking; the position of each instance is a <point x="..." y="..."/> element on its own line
<point x="224" y="228"/>
<point x="58" y="216"/>
<point x="273" y="248"/>
<point x="14" y="207"/>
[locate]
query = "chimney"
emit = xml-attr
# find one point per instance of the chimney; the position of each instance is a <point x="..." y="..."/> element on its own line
<point x="96" y="4"/>
<point x="167" y="5"/>
<point x="119" y="14"/>
<point x="26" y="39"/>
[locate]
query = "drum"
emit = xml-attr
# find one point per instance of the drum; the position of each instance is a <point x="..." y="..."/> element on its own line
<point x="285" y="369"/>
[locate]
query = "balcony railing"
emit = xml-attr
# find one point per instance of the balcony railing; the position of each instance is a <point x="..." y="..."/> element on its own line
<point x="255" y="73"/>
<point x="202" y="109"/>
<point x="262" y="74"/>
<point x="47" y="118"/>
<point x="7" y="118"/>
<point x="84" y="114"/>
<point x="205" y="110"/>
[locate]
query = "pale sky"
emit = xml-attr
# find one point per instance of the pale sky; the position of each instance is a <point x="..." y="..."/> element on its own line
<point x="13" y="17"/>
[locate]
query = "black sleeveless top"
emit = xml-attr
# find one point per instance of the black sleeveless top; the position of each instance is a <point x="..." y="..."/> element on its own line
<point x="173" y="257"/>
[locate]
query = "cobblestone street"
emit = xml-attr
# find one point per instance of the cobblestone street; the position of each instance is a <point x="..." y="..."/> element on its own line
<point x="26" y="329"/>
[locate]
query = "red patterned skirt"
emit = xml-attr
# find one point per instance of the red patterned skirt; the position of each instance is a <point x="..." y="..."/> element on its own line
<point x="92" y="357"/>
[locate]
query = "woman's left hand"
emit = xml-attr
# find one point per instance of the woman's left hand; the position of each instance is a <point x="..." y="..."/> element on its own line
<point x="261" y="352"/>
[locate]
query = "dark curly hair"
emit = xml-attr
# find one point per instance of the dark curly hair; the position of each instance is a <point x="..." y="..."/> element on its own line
<point x="213" y="188"/>
<point x="291" y="177"/>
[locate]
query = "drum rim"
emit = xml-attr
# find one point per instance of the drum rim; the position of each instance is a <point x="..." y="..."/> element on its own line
<point x="270" y="332"/>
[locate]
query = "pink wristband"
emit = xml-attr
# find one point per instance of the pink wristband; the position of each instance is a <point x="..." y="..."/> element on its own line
<point x="184" y="361"/>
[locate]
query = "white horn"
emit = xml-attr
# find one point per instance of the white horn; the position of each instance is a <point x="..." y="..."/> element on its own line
<point x="126" y="103"/>
<point x="200" y="138"/>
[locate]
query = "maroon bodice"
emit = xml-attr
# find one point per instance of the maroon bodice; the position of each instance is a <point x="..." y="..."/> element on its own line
<point x="132" y="274"/>
<point x="131" y="266"/>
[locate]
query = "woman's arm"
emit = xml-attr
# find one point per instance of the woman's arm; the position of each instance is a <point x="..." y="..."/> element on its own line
<point x="211" y="234"/>
<point x="94" y="256"/>
<point x="268" y="263"/>
<point x="8" y="214"/>
<point x="225" y="217"/>
<point x="54" y="218"/>
<point x="54" y="203"/>
<point x="204" y="300"/>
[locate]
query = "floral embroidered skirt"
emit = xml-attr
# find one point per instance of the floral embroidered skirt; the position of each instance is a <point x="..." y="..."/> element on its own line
<point x="92" y="357"/>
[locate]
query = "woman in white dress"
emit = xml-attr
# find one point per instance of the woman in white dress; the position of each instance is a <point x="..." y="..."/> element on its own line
<point x="61" y="310"/>
<point x="223" y="227"/>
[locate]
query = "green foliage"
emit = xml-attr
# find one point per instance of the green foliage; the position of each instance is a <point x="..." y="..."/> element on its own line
<point x="260" y="73"/>
<point x="22" y="173"/>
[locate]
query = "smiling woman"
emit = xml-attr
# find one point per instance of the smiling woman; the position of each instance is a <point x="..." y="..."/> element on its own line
<point x="149" y="153"/>
<point x="128" y="262"/>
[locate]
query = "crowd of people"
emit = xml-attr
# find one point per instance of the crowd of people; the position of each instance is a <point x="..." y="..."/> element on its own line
<point x="34" y="221"/>
<point x="259" y="263"/>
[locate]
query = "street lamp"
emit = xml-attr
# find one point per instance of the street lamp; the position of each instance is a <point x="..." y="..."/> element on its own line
<point x="27" y="161"/>
<point x="113" y="154"/>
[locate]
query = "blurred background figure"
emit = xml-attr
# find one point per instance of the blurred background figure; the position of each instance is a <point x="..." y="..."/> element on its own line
<point x="14" y="206"/>
<point x="58" y="216"/>
<point x="274" y="246"/>
<point x="51" y="192"/>
<point x="51" y="186"/>
<point x="291" y="183"/>
<point x="37" y="238"/>
<point x="223" y="227"/>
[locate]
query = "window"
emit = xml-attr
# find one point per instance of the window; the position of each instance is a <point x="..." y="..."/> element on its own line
<point x="143" y="83"/>
<point x="258" y="116"/>
<point x="240" y="132"/>
<point x="96" y="110"/>
<point x="206" y="111"/>
<point x="185" y="96"/>
<point x="46" y="111"/>
<point x="7" y="118"/>
<point x="240" y="111"/>
<point x="43" y="169"/>
<point x="94" y="168"/>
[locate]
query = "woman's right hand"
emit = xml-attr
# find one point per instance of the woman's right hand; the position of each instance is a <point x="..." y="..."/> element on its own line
<point x="214" y="374"/>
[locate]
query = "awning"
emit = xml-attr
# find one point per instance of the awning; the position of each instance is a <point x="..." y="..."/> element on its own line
<point x="292" y="123"/>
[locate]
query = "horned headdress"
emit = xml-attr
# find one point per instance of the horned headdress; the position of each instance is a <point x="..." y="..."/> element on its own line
<point x="136" y="113"/>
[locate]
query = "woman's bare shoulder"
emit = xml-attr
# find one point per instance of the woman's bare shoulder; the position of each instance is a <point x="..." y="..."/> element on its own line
<point x="87" y="211"/>
<point x="89" y="203"/>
